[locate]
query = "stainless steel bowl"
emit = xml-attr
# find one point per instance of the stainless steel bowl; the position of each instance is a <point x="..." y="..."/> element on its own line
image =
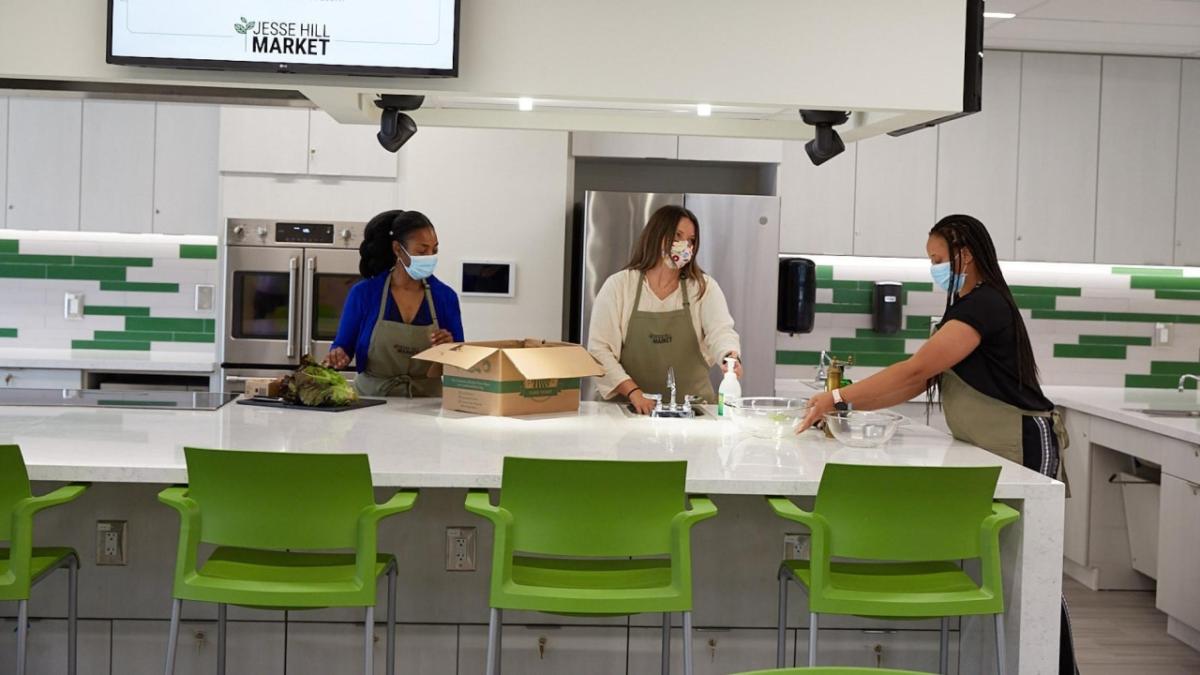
<point x="861" y="429"/>
<point x="766" y="416"/>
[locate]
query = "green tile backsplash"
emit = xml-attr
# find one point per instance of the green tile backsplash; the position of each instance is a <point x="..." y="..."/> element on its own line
<point x="139" y="287"/>
<point x="8" y="332"/>
<point x="198" y="251"/>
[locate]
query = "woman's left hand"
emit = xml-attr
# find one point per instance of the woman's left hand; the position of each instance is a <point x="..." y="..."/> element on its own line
<point x="441" y="337"/>
<point x="737" y="365"/>
<point x="818" y="406"/>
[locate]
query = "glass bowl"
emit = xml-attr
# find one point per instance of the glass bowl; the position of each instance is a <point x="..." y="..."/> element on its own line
<point x="766" y="416"/>
<point x="861" y="429"/>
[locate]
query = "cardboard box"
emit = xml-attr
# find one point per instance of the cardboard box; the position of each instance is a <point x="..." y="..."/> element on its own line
<point x="264" y="386"/>
<point x="512" y="377"/>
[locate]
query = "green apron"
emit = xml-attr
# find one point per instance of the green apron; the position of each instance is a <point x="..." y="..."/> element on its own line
<point x="656" y="341"/>
<point x="391" y="369"/>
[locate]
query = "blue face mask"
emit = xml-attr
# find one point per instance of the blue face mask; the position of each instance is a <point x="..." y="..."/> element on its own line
<point x="420" y="266"/>
<point x="943" y="276"/>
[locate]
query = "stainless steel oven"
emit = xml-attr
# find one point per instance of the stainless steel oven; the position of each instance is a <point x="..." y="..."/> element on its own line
<point x="285" y="285"/>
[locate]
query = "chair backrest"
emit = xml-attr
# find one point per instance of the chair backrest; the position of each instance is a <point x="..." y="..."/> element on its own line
<point x="906" y="512"/>
<point x="278" y="500"/>
<point x="14" y="486"/>
<point x="592" y="508"/>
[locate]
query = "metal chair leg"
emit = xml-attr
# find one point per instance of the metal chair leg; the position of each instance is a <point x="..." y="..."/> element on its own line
<point x="22" y="633"/>
<point x="687" y="643"/>
<point x="493" y="648"/>
<point x="1001" y="646"/>
<point x="781" y="640"/>
<point x="944" y="647"/>
<point x="222" y="626"/>
<point x="173" y="638"/>
<point x="72" y="615"/>
<point x="812" y="639"/>
<point x="391" y="622"/>
<point x="369" y="642"/>
<point x="666" y="644"/>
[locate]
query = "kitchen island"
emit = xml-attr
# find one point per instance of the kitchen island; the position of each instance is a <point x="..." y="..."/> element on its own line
<point x="415" y="444"/>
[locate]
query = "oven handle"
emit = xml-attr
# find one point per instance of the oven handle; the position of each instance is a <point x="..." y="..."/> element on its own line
<point x="310" y="267"/>
<point x="293" y="267"/>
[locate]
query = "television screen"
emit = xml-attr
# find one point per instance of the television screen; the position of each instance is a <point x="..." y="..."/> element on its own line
<point x="347" y="37"/>
<point x="488" y="278"/>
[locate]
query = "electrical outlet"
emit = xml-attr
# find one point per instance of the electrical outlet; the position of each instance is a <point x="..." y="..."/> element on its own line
<point x="1162" y="334"/>
<point x="204" y="297"/>
<point x="111" y="539"/>
<point x="73" y="305"/>
<point x="460" y="549"/>
<point x="795" y="546"/>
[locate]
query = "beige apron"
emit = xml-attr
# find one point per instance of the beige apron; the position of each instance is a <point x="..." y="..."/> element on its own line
<point x="391" y="370"/>
<point x="656" y="341"/>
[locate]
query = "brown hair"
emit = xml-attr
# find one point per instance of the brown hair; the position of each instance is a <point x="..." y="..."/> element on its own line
<point x="656" y="240"/>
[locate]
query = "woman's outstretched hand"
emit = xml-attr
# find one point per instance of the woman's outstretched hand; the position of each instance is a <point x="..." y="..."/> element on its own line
<point x="818" y="406"/>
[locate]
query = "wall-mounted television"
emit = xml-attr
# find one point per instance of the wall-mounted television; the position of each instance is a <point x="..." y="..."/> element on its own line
<point x="342" y="37"/>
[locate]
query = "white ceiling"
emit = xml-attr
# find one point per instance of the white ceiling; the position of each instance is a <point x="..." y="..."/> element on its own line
<point x="1152" y="27"/>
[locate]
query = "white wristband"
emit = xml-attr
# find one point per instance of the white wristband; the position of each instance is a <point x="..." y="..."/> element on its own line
<point x="837" y="396"/>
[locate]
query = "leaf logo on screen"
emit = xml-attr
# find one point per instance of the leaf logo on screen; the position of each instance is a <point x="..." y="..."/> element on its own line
<point x="284" y="37"/>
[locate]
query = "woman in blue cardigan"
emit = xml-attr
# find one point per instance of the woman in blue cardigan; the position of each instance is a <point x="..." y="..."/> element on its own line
<point x="399" y="309"/>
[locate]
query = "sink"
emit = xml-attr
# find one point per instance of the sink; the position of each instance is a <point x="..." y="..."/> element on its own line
<point x="1162" y="412"/>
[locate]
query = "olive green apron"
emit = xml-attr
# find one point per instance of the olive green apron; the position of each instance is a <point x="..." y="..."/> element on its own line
<point x="657" y="341"/>
<point x="391" y="369"/>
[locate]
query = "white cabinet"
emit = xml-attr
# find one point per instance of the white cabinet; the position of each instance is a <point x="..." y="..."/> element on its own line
<point x="716" y="149"/>
<point x="1139" y="146"/>
<point x="117" y="177"/>
<point x="324" y="648"/>
<point x="186" y="137"/>
<point x="894" y="198"/>
<point x="1178" y="550"/>
<point x="40" y="378"/>
<point x="264" y="140"/>
<point x="547" y="650"/>
<point x="3" y="158"/>
<point x="255" y="648"/>
<point x="47" y="647"/>
<point x="337" y="149"/>
<point x="632" y="146"/>
<point x="1056" y="183"/>
<point x="977" y="155"/>
<point x="816" y="202"/>
<point x="43" y="163"/>
<point x="714" y="652"/>
<point x="1187" y="212"/>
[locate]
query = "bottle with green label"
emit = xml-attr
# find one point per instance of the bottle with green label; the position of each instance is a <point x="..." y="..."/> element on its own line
<point x="730" y="387"/>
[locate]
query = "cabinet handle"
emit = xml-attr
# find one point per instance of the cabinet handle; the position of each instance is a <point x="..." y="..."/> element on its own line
<point x="313" y="151"/>
<point x="11" y="207"/>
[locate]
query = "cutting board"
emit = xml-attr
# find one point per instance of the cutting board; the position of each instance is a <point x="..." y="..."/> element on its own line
<point x="265" y="402"/>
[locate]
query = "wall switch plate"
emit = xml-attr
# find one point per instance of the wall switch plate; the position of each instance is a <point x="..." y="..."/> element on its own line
<point x="204" y="297"/>
<point x="795" y="546"/>
<point x="73" y="305"/>
<point x="1162" y="334"/>
<point x="111" y="542"/>
<point x="460" y="549"/>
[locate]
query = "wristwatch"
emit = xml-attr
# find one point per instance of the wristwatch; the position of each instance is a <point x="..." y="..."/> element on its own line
<point x="838" y="403"/>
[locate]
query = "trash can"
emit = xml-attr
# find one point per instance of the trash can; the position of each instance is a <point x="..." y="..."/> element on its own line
<point x="1141" y="498"/>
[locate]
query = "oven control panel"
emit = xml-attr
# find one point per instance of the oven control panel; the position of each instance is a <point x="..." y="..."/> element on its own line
<point x="304" y="233"/>
<point x="249" y="232"/>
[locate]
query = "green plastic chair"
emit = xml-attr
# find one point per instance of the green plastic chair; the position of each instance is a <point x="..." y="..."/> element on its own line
<point x="22" y="565"/>
<point x="905" y="528"/>
<point x="274" y="517"/>
<point x="833" y="671"/>
<point x="592" y="538"/>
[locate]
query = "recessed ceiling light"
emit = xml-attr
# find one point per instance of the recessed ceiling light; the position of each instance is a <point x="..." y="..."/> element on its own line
<point x="524" y="104"/>
<point x="704" y="110"/>
<point x="999" y="15"/>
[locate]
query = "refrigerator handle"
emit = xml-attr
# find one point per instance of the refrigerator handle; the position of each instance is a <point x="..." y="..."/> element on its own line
<point x="293" y="268"/>
<point x="310" y="268"/>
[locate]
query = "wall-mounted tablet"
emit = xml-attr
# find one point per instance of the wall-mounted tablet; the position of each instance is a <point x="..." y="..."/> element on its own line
<point x="489" y="278"/>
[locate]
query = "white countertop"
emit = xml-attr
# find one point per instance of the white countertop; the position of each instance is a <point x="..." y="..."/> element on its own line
<point x="1121" y="405"/>
<point x="416" y="444"/>
<point x="103" y="359"/>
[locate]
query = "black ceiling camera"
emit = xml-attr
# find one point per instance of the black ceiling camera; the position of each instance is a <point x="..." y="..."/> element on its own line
<point x="395" y="128"/>
<point x="826" y="144"/>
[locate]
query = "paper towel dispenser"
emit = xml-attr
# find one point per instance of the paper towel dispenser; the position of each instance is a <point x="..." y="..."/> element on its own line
<point x="797" y="295"/>
<point x="887" y="307"/>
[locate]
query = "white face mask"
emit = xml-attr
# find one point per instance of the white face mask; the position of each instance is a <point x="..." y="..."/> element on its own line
<point x="420" y="266"/>
<point x="679" y="255"/>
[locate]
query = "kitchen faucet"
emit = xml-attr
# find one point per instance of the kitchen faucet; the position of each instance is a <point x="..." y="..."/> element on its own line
<point x="1184" y="378"/>
<point x="673" y="409"/>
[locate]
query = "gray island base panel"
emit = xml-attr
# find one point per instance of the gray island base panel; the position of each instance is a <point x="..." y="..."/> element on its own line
<point x="130" y="454"/>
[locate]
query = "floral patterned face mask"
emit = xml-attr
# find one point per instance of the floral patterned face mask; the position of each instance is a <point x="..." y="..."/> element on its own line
<point x="679" y="255"/>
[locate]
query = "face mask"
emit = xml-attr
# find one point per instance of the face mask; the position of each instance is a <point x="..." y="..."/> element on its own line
<point x="680" y="255"/>
<point x="943" y="276"/>
<point x="420" y="266"/>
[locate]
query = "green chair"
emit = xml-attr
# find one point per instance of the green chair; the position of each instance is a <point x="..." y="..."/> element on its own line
<point x="592" y="538"/>
<point x="833" y="671"/>
<point x="22" y="565"/>
<point x="274" y="517"/>
<point x="906" y="528"/>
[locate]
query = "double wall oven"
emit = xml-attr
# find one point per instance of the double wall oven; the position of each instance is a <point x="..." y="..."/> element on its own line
<point x="285" y="285"/>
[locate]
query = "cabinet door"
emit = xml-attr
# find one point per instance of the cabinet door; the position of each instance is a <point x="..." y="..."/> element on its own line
<point x="324" y="648"/>
<point x="43" y="163"/>
<point x="48" y="646"/>
<point x="255" y="648"/>
<point x="337" y="149"/>
<point x="548" y="650"/>
<point x="186" y="137"/>
<point x="40" y="378"/>
<point x="1178" y="550"/>
<point x="264" y="140"/>
<point x="894" y="199"/>
<point x="711" y="149"/>
<point x="1056" y="180"/>
<point x="1139" y="146"/>
<point x="816" y="202"/>
<point x="1187" y="200"/>
<point x="117" y="191"/>
<point x="3" y="160"/>
<point x="635" y="146"/>
<point x="977" y="155"/>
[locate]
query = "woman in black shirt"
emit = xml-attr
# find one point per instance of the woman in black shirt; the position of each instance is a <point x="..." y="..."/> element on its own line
<point x="981" y="359"/>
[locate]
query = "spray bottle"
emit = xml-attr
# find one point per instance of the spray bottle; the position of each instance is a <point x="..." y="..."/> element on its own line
<point x="730" y="387"/>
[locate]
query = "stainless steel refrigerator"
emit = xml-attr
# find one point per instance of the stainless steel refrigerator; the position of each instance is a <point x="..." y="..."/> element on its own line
<point x="739" y="247"/>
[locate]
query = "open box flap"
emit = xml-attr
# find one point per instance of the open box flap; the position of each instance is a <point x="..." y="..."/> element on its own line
<point x="461" y="355"/>
<point x="560" y="361"/>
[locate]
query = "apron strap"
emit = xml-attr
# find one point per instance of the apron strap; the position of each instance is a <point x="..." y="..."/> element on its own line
<point x="432" y="309"/>
<point x="637" y="297"/>
<point x="687" y="304"/>
<point x="387" y="287"/>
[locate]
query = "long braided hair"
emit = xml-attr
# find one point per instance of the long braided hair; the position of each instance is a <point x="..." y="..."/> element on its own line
<point x="963" y="232"/>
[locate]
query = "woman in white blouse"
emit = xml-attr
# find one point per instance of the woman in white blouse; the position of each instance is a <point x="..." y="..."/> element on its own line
<point x="662" y="311"/>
